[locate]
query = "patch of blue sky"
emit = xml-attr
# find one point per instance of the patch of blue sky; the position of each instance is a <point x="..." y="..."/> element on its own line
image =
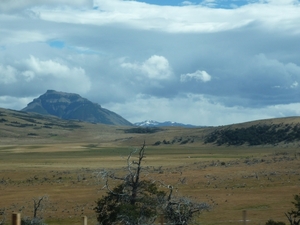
<point x="61" y="45"/>
<point x="56" y="44"/>
<point x="227" y="4"/>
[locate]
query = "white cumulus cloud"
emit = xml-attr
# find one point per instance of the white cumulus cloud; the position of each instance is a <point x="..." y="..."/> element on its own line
<point x="156" y="67"/>
<point x="58" y="73"/>
<point x="7" y="74"/>
<point x="295" y="84"/>
<point x="198" y="76"/>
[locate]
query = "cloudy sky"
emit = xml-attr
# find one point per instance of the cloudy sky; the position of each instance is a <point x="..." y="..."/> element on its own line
<point x="211" y="62"/>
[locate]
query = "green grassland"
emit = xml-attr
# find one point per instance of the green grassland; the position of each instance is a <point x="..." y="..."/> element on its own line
<point x="63" y="162"/>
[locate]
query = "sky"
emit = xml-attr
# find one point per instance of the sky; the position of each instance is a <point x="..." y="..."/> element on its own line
<point x="211" y="62"/>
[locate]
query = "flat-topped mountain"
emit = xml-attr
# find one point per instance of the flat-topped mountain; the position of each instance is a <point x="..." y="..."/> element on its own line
<point x="73" y="107"/>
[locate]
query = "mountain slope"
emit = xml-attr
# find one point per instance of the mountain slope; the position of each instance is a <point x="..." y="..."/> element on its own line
<point x="28" y="128"/>
<point x="153" y="123"/>
<point x="73" y="107"/>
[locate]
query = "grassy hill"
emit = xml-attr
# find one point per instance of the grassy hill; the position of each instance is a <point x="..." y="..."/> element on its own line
<point x="23" y="127"/>
<point x="264" y="132"/>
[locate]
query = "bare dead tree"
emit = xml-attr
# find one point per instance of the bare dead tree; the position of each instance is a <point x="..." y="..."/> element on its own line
<point x="132" y="177"/>
<point x="136" y="200"/>
<point x="181" y="210"/>
<point x="37" y="204"/>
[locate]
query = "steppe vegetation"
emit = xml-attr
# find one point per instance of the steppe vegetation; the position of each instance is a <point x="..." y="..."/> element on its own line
<point x="256" y="135"/>
<point x="61" y="160"/>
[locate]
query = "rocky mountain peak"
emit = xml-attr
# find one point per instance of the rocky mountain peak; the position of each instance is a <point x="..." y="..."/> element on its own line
<point x="73" y="106"/>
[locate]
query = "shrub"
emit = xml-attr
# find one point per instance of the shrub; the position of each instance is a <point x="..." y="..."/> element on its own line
<point x="272" y="222"/>
<point x="136" y="201"/>
<point x="34" y="221"/>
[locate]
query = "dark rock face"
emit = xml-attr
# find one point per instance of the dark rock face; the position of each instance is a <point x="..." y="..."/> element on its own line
<point x="73" y="107"/>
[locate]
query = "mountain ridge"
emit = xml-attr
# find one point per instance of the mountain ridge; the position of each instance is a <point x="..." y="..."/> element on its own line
<point x="27" y="128"/>
<point x="71" y="106"/>
<point x="153" y="123"/>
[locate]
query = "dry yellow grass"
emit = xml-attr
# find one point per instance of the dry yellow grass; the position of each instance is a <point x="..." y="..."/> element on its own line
<point x="61" y="161"/>
<point x="261" y="181"/>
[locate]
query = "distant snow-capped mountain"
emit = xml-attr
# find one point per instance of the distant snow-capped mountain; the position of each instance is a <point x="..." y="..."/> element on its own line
<point x="153" y="123"/>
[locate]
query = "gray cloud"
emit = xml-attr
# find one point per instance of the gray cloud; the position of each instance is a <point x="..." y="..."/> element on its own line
<point x="186" y="63"/>
<point x="197" y="76"/>
<point x="13" y="6"/>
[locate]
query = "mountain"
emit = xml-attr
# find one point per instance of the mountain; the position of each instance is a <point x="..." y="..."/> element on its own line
<point x="70" y="106"/>
<point x="153" y="123"/>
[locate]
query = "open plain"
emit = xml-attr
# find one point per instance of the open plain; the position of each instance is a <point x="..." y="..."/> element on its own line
<point x="62" y="160"/>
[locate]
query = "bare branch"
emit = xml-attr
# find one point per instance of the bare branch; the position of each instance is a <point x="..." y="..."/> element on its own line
<point x="2" y="216"/>
<point x="137" y="201"/>
<point x="37" y="204"/>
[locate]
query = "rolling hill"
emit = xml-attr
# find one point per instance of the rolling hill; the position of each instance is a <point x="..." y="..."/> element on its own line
<point x="27" y="127"/>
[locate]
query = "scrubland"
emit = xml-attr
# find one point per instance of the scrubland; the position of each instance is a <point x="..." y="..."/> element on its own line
<point x="260" y="180"/>
<point x="45" y="156"/>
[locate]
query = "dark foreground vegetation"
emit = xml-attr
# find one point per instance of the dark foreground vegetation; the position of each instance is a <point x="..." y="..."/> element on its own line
<point x="143" y="130"/>
<point x="293" y="215"/>
<point x="255" y="135"/>
<point x="136" y="200"/>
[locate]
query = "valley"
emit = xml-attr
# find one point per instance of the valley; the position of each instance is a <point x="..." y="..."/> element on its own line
<point x="62" y="159"/>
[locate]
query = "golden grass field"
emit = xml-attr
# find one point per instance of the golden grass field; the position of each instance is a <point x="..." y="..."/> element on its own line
<point x="62" y="163"/>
